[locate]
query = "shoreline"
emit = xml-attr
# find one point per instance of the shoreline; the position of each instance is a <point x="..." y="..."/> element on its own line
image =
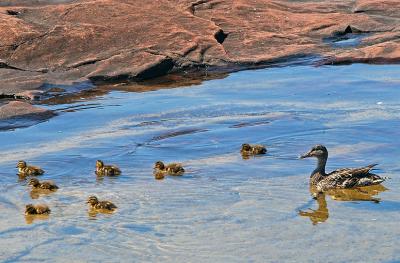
<point x="45" y="45"/>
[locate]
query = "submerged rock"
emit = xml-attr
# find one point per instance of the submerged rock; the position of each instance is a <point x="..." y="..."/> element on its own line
<point x="17" y="114"/>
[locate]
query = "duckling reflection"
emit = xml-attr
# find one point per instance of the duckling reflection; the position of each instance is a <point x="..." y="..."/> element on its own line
<point x="321" y="214"/>
<point x="29" y="219"/>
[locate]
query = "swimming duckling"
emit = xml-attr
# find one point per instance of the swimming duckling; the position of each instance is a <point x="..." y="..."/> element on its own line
<point x="27" y="170"/>
<point x="108" y="170"/>
<point x="254" y="149"/>
<point x="340" y="178"/>
<point x="45" y="185"/>
<point x="174" y="169"/>
<point x="101" y="205"/>
<point x="37" y="209"/>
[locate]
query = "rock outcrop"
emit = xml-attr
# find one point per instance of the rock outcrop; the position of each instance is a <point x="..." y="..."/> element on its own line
<point x="61" y="41"/>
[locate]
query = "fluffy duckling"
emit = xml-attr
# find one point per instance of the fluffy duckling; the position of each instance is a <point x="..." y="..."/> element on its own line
<point x="94" y="203"/>
<point x="340" y="178"/>
<point x="28" y="170"/>
<point x="174" y="169"/>
<point x="45" y="185"/>
<point x="108" y="170"/>
<point x="40" y="209"/>
<point x="253" y="149"/>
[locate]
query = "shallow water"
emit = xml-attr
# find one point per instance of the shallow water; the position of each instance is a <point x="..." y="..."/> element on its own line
<point x="224" y="208"/>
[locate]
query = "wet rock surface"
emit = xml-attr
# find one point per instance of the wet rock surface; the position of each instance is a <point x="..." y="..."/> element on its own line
<point x="17" y="114"/>
<point x="63" y="41"/>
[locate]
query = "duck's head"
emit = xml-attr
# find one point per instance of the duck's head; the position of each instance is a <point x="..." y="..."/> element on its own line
<point x="92" y="200"/>
<point x="246" y="147"/>
<point x="318" y="151"/>
<point x="159" y="165"/>
<point x="99" y="164"/>
<point x="21" y="164"/>
<point x="30" y="209"/>
<point x="33" y="182"/>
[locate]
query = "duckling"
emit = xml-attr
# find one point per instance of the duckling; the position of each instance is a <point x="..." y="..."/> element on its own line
<point x="340" y="178"/>
<point x="174" y="169"/>
<point x="254" y="149"/>
<point x="45" y="185"/>
<point x="27" y="170"/>
<point x="108" y="170"/>
<point x="101" y="205"/>
<point x="40" y="209"/>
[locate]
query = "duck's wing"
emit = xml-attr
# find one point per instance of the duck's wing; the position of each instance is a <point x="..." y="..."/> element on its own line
<point x="116" y="169"/>
<point x="351" y="177"/>
<point x="107" y="205"/>
<point x="259" y="149"/>
<point x="49" y="185"/>
<point x="37" y="169"/>
<point x="176" y="168"/>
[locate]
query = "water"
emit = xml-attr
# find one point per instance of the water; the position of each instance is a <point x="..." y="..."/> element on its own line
<point x="224" y="208"/>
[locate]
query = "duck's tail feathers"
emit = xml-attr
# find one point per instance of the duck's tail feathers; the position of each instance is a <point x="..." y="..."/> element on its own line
<point x="378" y="181"/>
<point x="371" y="166"/>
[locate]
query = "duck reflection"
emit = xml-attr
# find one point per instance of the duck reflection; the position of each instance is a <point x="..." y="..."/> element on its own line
<point x="29" y="219"/>
<point x="321" y="214"/>
<point x="36" y="193"/>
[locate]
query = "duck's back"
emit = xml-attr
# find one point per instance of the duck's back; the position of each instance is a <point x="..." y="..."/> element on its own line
<point x="33" y="170"/>
<point x="105" y="205"/>
<point x="48" y="185"/>
<point x="349" y="178"/>
<point x="259" y="149"/>
<point x="42" y="209"/>
<point x="111" y="170"/>
<point x="175" y="169"/>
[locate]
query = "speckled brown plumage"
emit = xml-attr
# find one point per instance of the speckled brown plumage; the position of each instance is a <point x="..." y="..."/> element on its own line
<point x="94" y="203"/>
<point x="174" y="169"/>
<point x="252" y="149"/>
<point x="340" y="178"/>
<point x="40" y="209"/>
<point x="28" y="170"/>
<point x="106" y="170"/>
<point x="45" y="185"/>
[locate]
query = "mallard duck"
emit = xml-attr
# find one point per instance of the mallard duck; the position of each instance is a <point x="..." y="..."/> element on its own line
<point x="40" y="209"/>
<point x="45" y="185"/>
<point x="340" y="178"/>
<point x="254" y="149"/>
<point x="100" y="205"/>
<point x="27" y="170"/>
<point x="174" y="169"/>
<point x="107" y="170"/>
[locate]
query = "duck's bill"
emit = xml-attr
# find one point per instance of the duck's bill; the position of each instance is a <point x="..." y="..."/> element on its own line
<point x="306" y="155"/>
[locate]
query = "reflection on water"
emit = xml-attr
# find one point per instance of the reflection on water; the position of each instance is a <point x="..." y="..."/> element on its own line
<point x="321" y="214"/>
<point x="224" y="208"/>
<point x="29" y="219"/>
<point x="93" y="213"/>
<point x="36" y="193"/>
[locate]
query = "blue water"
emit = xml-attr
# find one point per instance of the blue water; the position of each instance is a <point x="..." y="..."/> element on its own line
<point x="224" y="208"/>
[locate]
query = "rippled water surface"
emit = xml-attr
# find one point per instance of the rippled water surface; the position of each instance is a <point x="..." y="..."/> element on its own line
<point x="224" y="208"/>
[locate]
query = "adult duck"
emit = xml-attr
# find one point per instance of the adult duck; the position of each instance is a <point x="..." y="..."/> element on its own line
<point x="340" y="178"/>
